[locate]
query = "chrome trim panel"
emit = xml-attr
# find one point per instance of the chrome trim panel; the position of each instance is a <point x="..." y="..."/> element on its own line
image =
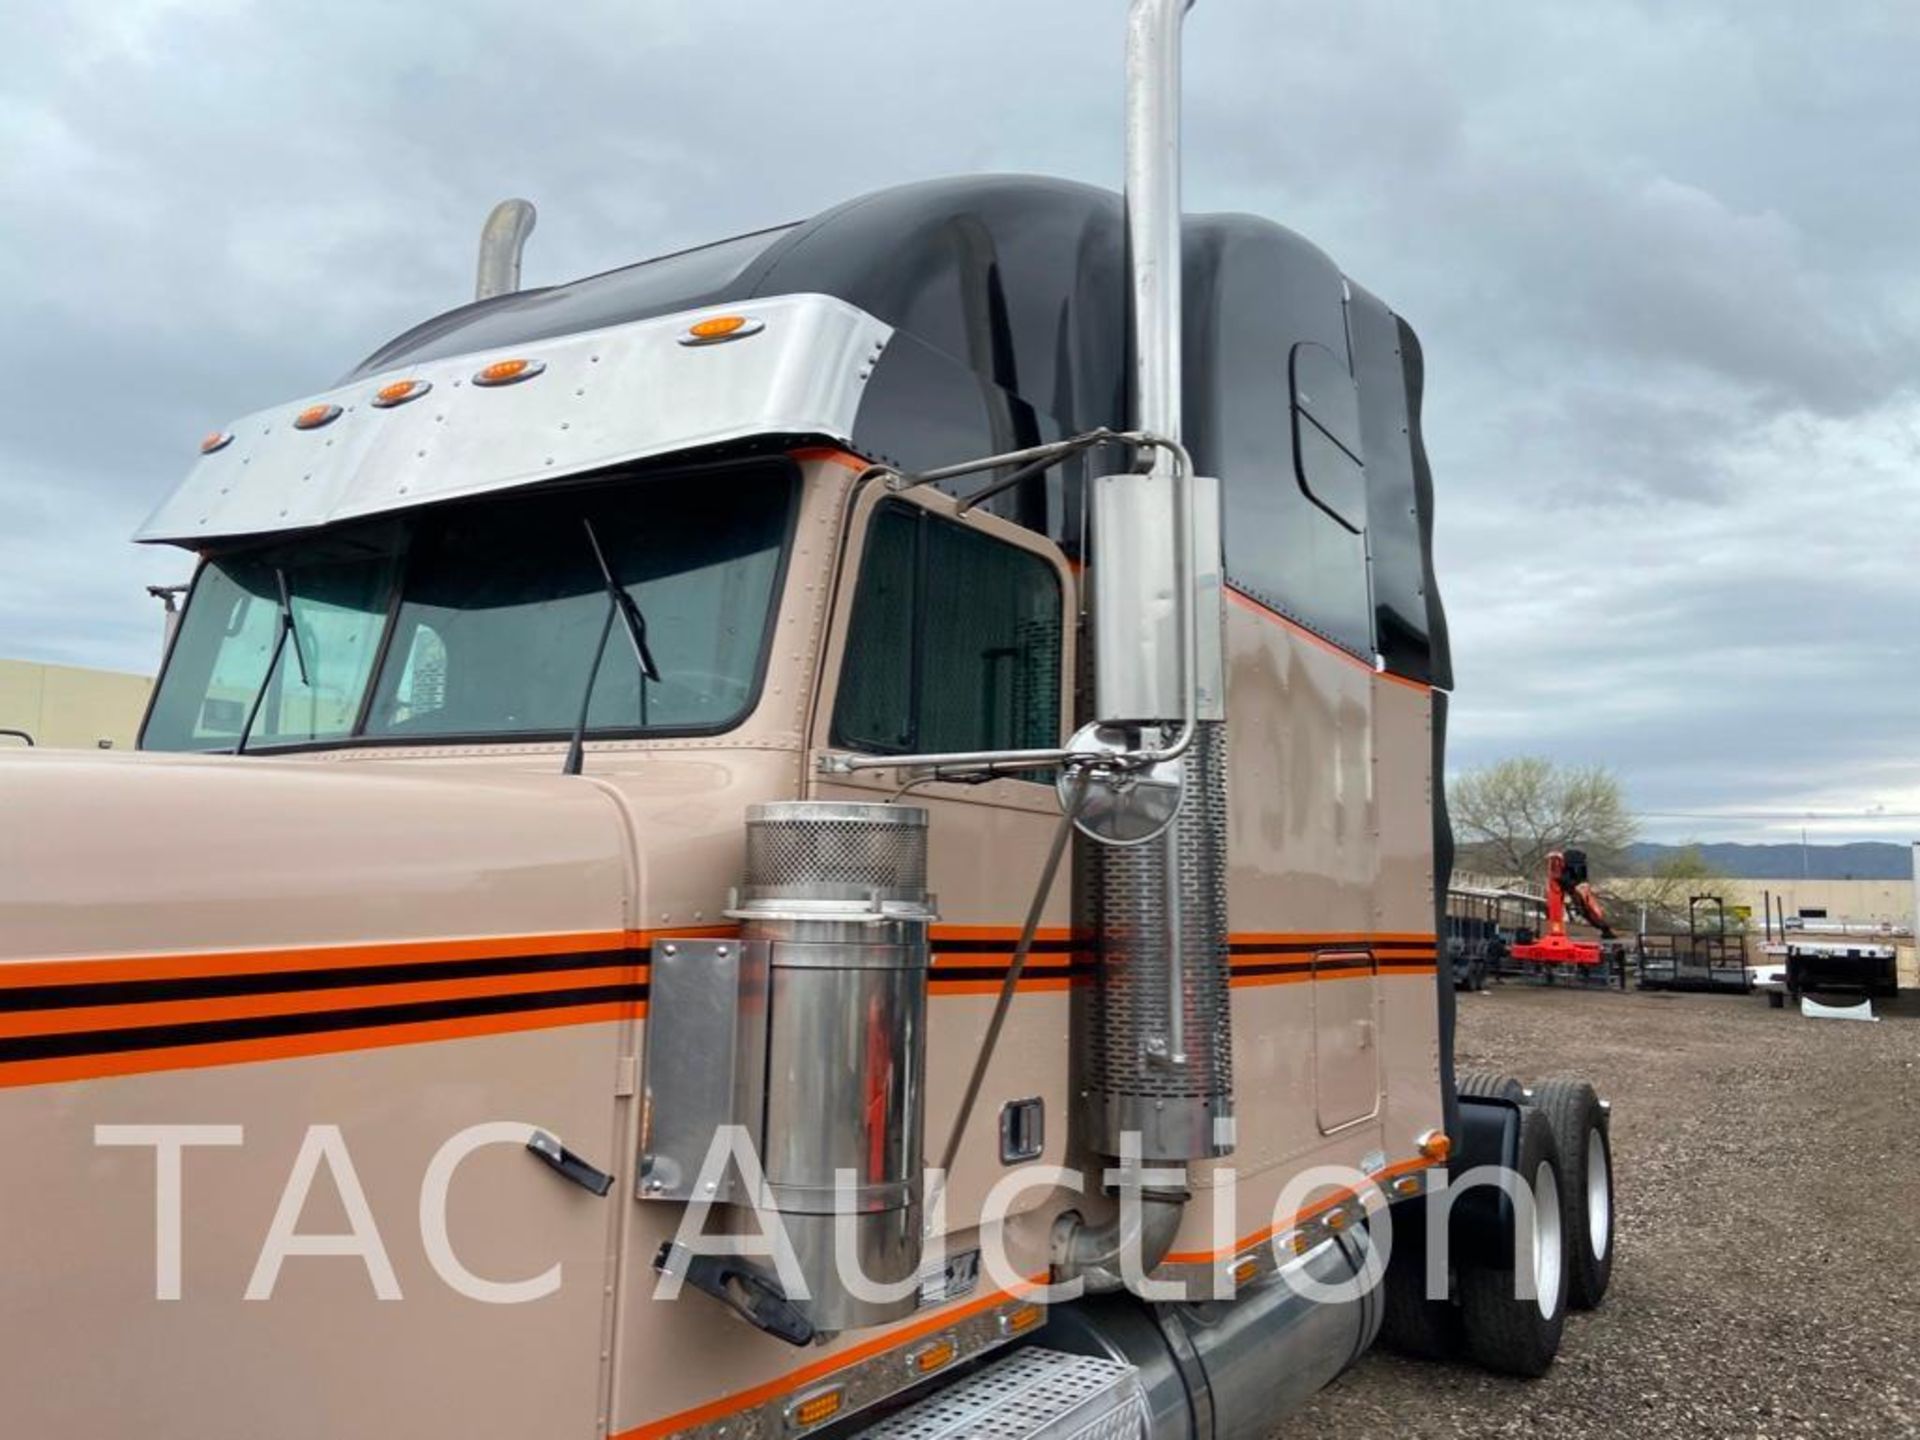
<point x="608" y="396"/>
<point x="867" y="1382"/>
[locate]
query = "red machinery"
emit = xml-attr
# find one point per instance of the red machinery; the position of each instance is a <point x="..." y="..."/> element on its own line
<point x="1567" y="880"/>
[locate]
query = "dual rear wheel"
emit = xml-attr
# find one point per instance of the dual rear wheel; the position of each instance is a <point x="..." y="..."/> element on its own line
<point x="1508" y="1316"/>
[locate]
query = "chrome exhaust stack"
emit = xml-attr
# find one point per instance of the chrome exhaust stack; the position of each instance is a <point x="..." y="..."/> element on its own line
<point x="1157" y="1046"/>
<point x="503" y="240"/>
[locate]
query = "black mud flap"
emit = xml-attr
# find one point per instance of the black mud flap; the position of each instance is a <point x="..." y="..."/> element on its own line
<point x="1480" y="1222"/>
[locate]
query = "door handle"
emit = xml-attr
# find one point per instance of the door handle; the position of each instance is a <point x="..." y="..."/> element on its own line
<point x="567" y="1164"/>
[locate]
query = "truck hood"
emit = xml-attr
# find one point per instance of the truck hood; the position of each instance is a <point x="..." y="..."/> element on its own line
<point x="118" y="854"/>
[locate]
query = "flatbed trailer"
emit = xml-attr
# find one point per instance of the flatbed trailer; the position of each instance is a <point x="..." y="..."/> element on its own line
<point x="1841" y="967"/>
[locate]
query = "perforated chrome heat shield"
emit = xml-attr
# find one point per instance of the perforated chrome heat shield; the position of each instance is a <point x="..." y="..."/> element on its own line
<point x="819" y="852"/>
<point x="1143" y="1074"/>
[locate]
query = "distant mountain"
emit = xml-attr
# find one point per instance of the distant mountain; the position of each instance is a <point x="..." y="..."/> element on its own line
<point x="1864" y="860"/>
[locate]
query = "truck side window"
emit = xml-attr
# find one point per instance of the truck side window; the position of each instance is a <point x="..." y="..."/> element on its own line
<point x="954" y="643"/>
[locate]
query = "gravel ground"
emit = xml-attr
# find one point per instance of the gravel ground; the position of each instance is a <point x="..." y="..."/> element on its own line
<point x="1767" y="1282"/>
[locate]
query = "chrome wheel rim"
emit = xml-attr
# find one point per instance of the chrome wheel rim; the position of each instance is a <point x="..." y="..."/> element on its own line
<point x="1546" y="1241"/>
<point x="1599" y="1195"/>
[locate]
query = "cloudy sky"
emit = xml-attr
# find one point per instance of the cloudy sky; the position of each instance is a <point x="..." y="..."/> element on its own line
<point x="1665" y="262"/>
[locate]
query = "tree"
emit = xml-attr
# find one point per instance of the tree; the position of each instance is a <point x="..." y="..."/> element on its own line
<point x="1664" y="888"/>
<point x="1509" y="815"/>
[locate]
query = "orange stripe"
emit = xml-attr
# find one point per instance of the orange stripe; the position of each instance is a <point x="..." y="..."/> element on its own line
<point x="1248" y="982"/>
<point x="997" y="932"/>
<point x="196" y="965"/>
<point x="1334" y="1197"/>
<point x="1351" y="937"/>
<point x="241" y="1052"/>
<point x="1043" y="977"/>
<point x="806" y="1374"/>
<point x="992" y="987"/>
<point x="304" y="1002"/>
<point x="832" y="456"/>
<point x="1419" y="687"/>
<point x="1268" y="957"/>
<point x="15" y="973"/>
<point x="1268" y="613"/>
<point x="972" y="959"/>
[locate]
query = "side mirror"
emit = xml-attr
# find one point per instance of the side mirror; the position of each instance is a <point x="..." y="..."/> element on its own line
<point x="1121" y="806"/>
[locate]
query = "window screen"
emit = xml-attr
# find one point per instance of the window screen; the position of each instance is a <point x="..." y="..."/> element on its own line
<point x="954" y="644"/>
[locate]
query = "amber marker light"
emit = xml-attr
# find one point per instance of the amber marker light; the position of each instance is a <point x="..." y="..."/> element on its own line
<point x="929" y="1358"/>
<point x="716" y="328"/>
<point x="314" y="416"/>
<point x="399" y="393"/>
<point x="507" y="372"/>
<point x="1245" y="1269"/>
<point x="815" y="1409"/>
<point x="1435" y="1146"/>
<point x="1021" y="1319"/>
<point x="217" y="440"/>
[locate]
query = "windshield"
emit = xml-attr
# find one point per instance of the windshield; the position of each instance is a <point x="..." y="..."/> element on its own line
<point x="482" y="620"/>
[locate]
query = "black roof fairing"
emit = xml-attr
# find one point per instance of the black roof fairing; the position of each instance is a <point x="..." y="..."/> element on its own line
<point x="1008" y="298"/>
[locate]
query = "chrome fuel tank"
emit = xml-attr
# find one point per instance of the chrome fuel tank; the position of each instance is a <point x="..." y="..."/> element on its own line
<point x="1232" y="1369"/>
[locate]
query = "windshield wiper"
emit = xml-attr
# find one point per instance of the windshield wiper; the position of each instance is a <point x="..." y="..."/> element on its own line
<point x="286" y="631"/>
<point x="620" y="603"/>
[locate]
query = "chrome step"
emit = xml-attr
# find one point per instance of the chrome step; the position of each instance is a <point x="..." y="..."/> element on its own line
<point x="1030" y="1395"/>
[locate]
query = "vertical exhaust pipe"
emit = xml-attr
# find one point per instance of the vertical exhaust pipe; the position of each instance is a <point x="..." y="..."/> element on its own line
<point x="1156" y="1049"/>
<point x="1153" y="214"/>
<point x="503" y="239"/>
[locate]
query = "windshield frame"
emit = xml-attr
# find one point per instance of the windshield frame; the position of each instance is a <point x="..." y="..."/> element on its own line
<point x="778" y="465"/>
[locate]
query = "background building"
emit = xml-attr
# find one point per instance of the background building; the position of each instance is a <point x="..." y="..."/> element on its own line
<point x="1883" y="902"/>
<point x="67" y="707"/>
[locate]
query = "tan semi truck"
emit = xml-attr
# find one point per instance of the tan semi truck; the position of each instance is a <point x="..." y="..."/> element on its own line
<point x="839" y="832"/>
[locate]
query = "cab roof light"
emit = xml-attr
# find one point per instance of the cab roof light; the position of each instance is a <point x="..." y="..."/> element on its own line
<point x="399" y="393"/>
<point x="314" y="416"/>
<point x="216" y="440"/>
<point x="716" y="328"/>
<point x="507" y="372"/>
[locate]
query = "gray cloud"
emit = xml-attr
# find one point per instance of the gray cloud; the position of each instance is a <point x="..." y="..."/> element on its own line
<point x="1661" y="263"/>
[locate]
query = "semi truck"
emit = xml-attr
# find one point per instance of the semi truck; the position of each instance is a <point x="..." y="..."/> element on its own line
<point x="837" y="832"/>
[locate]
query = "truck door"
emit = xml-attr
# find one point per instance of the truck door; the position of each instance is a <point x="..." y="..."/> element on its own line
<point x="1346" y="1057"/>
<point x="953" y="633"/>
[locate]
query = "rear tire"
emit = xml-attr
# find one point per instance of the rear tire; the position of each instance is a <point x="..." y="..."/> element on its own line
<point x="1583" y="1134"/>
<point x="1490" y="1085"/>
<point x="1507" y="1332"/>
<point x="1409" y="1322"/>
<point x="1776" y="1000"/>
